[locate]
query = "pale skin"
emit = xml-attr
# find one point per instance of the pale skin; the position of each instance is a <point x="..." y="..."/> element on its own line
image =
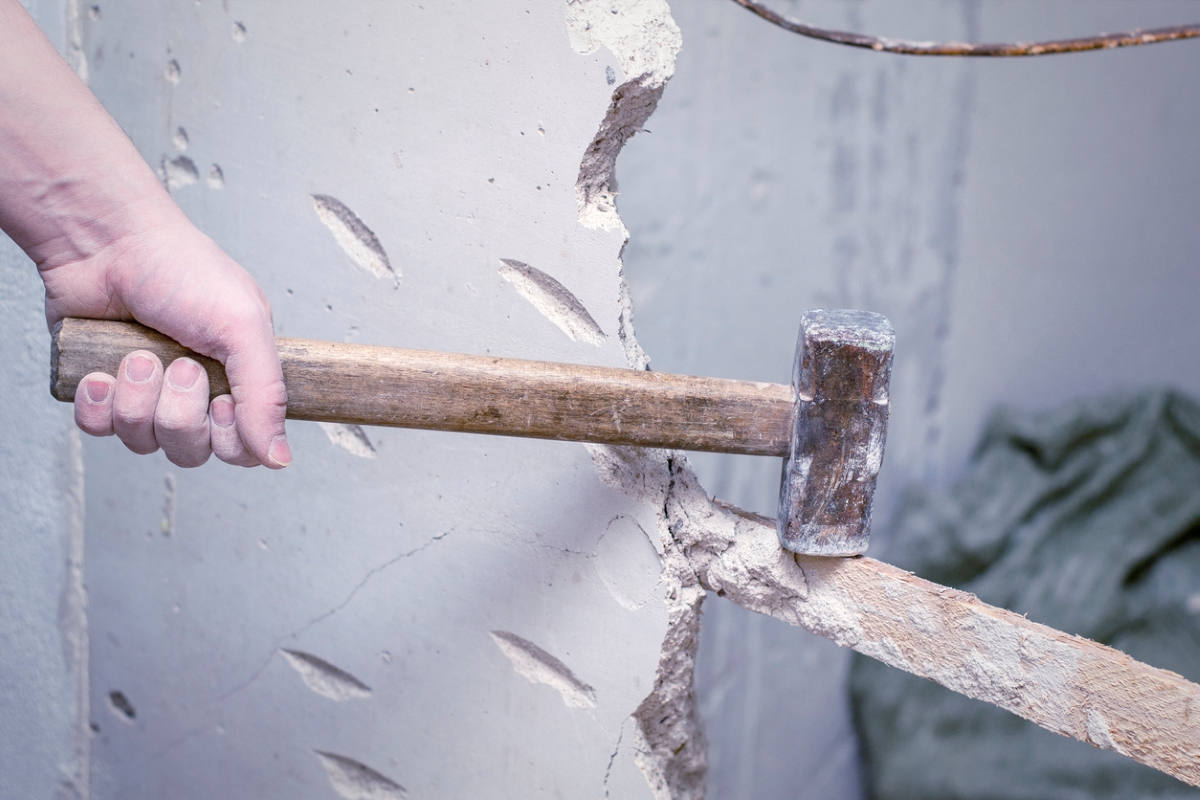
<point x="110" y="243"/>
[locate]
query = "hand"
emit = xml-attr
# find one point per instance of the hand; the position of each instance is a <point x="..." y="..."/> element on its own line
<point x="177" y="281"/>
<point x="110" y="243"/>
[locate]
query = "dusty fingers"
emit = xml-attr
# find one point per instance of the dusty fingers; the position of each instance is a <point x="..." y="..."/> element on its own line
<point x="148" y="407"/>
<point x="227" y="444"/>
<point x="181" y="425"/>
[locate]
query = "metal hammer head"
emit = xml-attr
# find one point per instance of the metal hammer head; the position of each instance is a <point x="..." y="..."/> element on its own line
<point x="843" y="364"/>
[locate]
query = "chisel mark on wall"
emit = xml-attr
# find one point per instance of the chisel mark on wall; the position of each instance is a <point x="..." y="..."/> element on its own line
<point x="119" y="704"/>
<point x="324" y="678"/>
<point x="351" y="438"/>
<point x="537" y="666"/>
<point x="627" y="563"/>
<point x="168" y="513"/>
<point x="554" y="300"/>
<point x="354" y="780"/>
<point x="238" y="32"/>
<point x="178" y="172"/>
<point x="216" y="177"/>
<point x="352" y="234"/>
<point x="180" y="139"/>
<point x="172" y="72"/>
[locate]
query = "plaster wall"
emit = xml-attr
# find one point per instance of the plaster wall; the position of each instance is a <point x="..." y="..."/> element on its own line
<point x="43" y="635"/>
<point x="399" y="613"/>
<point x="1028" y="227"/>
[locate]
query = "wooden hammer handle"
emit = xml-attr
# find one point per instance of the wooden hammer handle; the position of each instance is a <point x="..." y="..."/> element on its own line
<point x="367" y="385"/>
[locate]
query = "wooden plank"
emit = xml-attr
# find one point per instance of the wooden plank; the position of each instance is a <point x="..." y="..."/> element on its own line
<point x="1066" y="684"/>
<point x="367" y="385"/>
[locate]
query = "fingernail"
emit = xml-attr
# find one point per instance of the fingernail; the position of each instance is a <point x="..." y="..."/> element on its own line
<point x="139" y="368"/>
<point x="97" y="391"/>
<point x="222" y="412"/>
<point x="183" y="374"/>
<point x="279" y="451"/>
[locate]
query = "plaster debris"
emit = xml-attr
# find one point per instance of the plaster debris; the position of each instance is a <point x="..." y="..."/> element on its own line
<point x="178" y="172"/>
<point x="554" y="300"/>
<point x="94" y="12"/>
<point x="238" y="32"/>
<point x="356" y="781"/>
<point x="359" y="241"/>
<point x="172" y="72"/>
<point x="669" y="745"/>
<point x="180" y="139"/>
<point x="537" y="666"/>
<point x="216" y="177"/>
<point x="324" y="678"/>
<point x="351" y="438"/>
<point x="168" y="517"/>
<point x="645" y="40"/>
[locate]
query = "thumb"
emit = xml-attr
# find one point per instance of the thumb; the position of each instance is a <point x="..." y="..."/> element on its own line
<point x="259" y="394"/>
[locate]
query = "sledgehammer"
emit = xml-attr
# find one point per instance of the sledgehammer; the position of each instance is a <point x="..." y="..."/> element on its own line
<point x="829" y="425"/>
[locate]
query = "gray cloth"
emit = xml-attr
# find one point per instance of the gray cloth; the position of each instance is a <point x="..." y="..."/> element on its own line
<point x="1086" y="519"/>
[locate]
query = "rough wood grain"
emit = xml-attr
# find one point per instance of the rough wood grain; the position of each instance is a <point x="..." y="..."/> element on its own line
<point x="366" y="385"/>
<point x="1066" y="684"/>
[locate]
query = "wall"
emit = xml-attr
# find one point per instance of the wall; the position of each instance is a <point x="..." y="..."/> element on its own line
<point x="1026" y="225"/>
<point x="399" y="611"/>
<point x="43" y="634"/>
<point x="469" y="616"/>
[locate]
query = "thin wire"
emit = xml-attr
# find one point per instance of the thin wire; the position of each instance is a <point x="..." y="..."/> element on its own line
<point x="880" y="44"/>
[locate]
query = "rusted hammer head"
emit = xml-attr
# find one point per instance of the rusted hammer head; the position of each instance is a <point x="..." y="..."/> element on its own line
<point x="843" y="364"/>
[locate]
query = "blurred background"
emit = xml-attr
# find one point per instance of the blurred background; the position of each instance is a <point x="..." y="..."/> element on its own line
<point x="1028" y="225"/>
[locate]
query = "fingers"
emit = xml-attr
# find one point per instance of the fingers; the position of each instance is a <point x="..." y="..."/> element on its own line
<point x="139" y="381"/>
<point x="227" y="445"/>
<point x="258" y="393"/>
<point x="181" y="425"/>
<point x="94" y="404"/>
<point x="148" y="408"/>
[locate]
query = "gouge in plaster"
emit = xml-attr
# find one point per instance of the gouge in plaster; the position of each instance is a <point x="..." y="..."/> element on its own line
<point x="829" y="425"/>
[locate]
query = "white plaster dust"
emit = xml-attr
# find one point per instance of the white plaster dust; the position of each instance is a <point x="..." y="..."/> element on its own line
<point x="554" y="300"/>
<point x="354" y="780"/>
<point x="178" y="172"/>
<point x="354" y="237"/>
<point x="537" y="666"/>
<point x="351" y="438"/>
<point x="324" y="678"/>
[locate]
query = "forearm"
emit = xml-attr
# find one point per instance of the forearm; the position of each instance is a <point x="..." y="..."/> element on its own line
<point x="71" y="182"/>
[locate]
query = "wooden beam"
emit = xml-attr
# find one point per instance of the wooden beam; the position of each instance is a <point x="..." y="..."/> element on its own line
<point x="1066" y="684"/>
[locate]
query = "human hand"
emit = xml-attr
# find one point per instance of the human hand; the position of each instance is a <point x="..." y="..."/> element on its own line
<point x="110" y="243"/>
<point x="177" y="281"/>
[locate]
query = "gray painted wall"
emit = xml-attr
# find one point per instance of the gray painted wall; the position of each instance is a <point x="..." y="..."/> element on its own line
<point x="43" y="637"/>
<point x="1028" y="226"/>
<point x="380" y="613"/>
